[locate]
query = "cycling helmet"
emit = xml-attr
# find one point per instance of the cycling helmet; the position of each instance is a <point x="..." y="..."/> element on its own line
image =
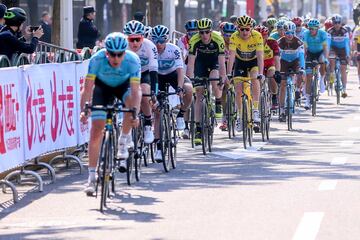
<point x="228" y="27"/>
<point x="271" y="22"/>
<point x="244" y="21"/>
<point x="314" y="23"/>
<point x="160" y="32"/>
<point x="191" y="25"/>
<point x="204" y="23"/>
<point x="147" y="31"/>
<point x="254" y="23"/>
<point x="116" y="42"/>
<point x="298" y="21"/>
<point x="290" y="27"/>
<point x="336" y="19"/>
<point x="328" y="24"/>
<point x="280" y="24"/>
<point x="134" y="28"/>
<point x="263" y="30"/>
<point x="285" y="18"/>
<point x="15" y="16"/>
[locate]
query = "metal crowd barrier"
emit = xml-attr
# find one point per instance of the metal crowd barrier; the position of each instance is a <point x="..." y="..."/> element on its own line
<point x="175" y="36"/>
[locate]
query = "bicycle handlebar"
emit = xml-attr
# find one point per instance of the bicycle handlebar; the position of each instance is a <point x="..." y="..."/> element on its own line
<point x="110" y="109"/>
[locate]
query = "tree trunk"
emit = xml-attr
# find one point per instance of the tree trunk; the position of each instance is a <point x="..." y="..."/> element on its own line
<point x="100" y="4"/>
<point x="199" y="9"/>
<point x="155" y="12"/>
<point x="116" y="12"/>
<point x="180" y="12"/>
<point x="138" y="5"/>
<point x="33" y="12"/>
<point x="230" y="8"/>
<point x="276" y="7"/>
<point x="55" y="35"/>
<point x="11" y="3"/>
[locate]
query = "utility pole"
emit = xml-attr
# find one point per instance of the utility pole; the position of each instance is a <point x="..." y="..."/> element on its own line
<point x="169" y="14"/>
<point x="66" y="25"/>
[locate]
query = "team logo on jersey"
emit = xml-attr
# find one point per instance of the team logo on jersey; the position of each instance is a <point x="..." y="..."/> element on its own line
<point x="144" y="61"/>
<point x="155" y="53"/>
<point x="166" y="64"/>
<point x="177" y="54"/>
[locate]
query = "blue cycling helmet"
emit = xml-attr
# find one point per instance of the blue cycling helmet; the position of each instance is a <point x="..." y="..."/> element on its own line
<point x="191" y="25"/>
<point x="280" y="24"/>
<point x="314" y="23"/>
<point x="229" y="28"/>
<point x="336" y="18"/>
<point x="116" y="42"/>
<point x="290" y="27"/>
<point x="160" y="31"/>
<point x="134" y="28"/>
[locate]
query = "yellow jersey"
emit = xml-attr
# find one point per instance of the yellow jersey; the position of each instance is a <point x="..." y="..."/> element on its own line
<point x="246" y="48"/>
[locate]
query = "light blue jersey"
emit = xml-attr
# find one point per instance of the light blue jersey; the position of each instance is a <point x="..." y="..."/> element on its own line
<point x="301" y="34"/>
<point x="315" y="44"/>
<point x="129" y="70"/>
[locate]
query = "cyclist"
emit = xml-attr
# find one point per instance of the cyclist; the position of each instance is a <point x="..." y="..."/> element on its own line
<point x="227" y="29"/>
<point x="340" y="47"/>
<point x="147" y="32"/>
<point x="147" y="53"/>
<point x="300" y="30"/>
<point x="292" y="57"/>
<point x="271" y="24"/>
<point x="279" y="30"/>
<point x="171" y="70"/>
<point x="206" y="59"/>
<point x="271" y="62"/>
<point x="315" y="43"/>
<point x="356" y="48"/>
<point x="183" y="44"/>
<point x="247" y="53"/>
<point x="113" y="72"/>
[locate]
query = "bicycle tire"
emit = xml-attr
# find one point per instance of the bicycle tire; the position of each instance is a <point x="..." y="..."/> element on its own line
<point x="229" y="112"/>
<point x="138" y="148"/>
<point x="173" y="149"/>
<point x="234" y="113"/>
<point x="262" y="115"/>
<point x="244" y="120"/>
<point x="130" y="161"/>
<point x="164" y="140"/>
<point x="204" y="127"/>
<point x="104" y="163"/>
<point x="288" y="108"/>
<point x="211" y="126"/>
<point x="250" y="124"/>
<point x="338" y="87"/>
<point x="192" y="124"/>
<point x="314" y="96"/>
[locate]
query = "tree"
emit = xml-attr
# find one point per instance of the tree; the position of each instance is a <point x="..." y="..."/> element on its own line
<point x="276" y="7"/>
<point x="33" y="11"/>
<point x="138" y="5"/>
<point x="180" y="13"/>
<point x="55" y="34"/>
<point x="115" y="20"/>
<point x="155" y="12"/>
<point x="230" y="7"/>
<point x="100" y="4"/>
<point x="11" y="3"/>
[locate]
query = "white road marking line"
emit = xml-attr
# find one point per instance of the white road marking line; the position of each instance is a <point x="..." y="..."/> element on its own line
<point x="239" y="153"/>
<point x="354" y="129"/>
<point x="338" y="161"/>
<point x="327" y="185"/>
<point x="357" y="118"/>
<point x="346" y="143"/>
<point x="309" y="226"/>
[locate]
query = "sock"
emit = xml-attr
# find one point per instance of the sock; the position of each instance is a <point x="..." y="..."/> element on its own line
<point x="186" y="125"/>
<point x="181" y="113"/>
<point x="198" y="127"/>
<point x="256" y="105"/>
<point x="147" y="120"/>
<point x="91" y="174"/>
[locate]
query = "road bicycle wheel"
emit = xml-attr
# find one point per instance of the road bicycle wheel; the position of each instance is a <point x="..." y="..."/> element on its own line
<point x="138" y="144"/>
<point x="230" y="113"/>
<point x="173" y="144"/>
<point x="165" y="139"/>
<point x="103" y="168"/>
<point x="338" y="86"/>
<point x="192" y="124"/>
<point x="289" y="111"/>
<point x="204" y="126"/>
<point x="211" y="127"/>
<point x="250" y="124"/>
<point x="263" y="115"/>
<point x="314" y="95"/>
<point x="245" y="121"/>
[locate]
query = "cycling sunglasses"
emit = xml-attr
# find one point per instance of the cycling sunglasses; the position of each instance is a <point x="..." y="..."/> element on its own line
<point x="137" y="39"/>
<point x="190" y="34"/>
<point x="113" y="54"/>
<point x="337" y="22"/>
<point x="289" y="33"/>
<point x="313" y="29"/>
<point x="244" y="29"/>
<point x="159" y="40"/>
<point x="204" y="32"/>
<point x="227" y="34"/>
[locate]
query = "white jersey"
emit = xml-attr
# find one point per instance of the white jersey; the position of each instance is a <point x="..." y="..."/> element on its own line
<point x="170" y="59"/>
<point x="301" y="34"/>
<point x="148" y="56"/>
<point x="183" y="44"/>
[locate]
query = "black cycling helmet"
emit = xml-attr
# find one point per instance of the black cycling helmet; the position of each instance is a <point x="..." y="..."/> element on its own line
<point x="15" y="16"/>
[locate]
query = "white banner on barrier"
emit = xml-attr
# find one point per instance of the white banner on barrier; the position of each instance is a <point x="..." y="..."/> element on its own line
<point x="50" y="108"/>
<point x="11" y="119"/>
<point x="84" y="129"/>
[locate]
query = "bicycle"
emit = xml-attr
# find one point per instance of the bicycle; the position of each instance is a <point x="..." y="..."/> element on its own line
<point x="246" y="110"/>
<point x="265" y="109"/>
<point x="314" y="85"/>
<point x="231" y="111"/>
<point x="168" y="132"/>
<point x="208" y="120"/>
<point x="107" y="164"/>
<point x="338" y="83"/>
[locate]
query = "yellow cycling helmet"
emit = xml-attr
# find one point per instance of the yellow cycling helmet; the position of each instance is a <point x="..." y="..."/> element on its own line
<point x="244" y="21"/>
<point x="204" y="23"/>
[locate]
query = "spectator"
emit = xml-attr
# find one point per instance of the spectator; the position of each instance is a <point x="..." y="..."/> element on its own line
<point x="356" y="13"/>
<point x="139" y="16"/>
<point x="233" y="19"/>
<point x="2" y="13"/>
<point x="45" y="23"/>
<point x="88" y="32"/>
<point x="11" y="41"/>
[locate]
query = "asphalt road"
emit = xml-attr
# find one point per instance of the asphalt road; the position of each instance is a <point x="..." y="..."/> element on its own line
<point x="302" y="184"/>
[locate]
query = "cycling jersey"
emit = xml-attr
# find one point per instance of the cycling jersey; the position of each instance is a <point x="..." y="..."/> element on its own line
<point x="183" y="44"/>
<point x="148" y="56"/>
<point x="357" y="35"/>
<point x="315" y="44"/>
<point x="275" y="35"/>
<point x="301" y="34"/>
<point x="340" y="39"/>
<point x="271" y="49"/>
<point x="292" y="50"/>
<point x="170" y="59"/>
<point x="207" y="52"/>
<point x="99" y="67"/>
<point x="245" y="49"/>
